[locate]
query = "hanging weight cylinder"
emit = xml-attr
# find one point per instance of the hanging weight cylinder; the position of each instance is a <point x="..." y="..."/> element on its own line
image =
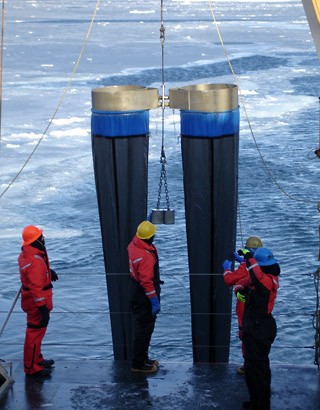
<point x="162" y="216"/>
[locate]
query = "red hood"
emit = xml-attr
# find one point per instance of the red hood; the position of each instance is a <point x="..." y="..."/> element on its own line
<point x="29" y="250"/>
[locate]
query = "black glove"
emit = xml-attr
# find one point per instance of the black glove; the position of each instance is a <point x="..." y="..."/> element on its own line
<point x="44" y="315"/>
<point x="245" y="253"/>
<point x="54" y="276"/>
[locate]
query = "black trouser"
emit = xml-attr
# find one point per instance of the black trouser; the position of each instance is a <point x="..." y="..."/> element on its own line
<point x="257" y="338"/>
<point x="143" y="324"/>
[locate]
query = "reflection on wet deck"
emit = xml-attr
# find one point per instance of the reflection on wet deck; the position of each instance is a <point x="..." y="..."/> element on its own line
<point x="111" y="385"/>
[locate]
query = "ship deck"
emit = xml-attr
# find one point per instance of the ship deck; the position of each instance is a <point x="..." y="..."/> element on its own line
<point x="111" y="385"/>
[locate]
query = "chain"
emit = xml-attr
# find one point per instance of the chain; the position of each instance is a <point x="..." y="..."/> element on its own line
<point x="163" y="178"/>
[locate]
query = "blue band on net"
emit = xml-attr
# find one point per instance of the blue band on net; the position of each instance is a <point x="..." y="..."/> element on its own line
<point x="210" y="124"/>
<point x="119" y="124"/>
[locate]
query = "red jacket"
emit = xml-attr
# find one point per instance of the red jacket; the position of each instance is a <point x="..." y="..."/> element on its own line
<point x="232" y="278"/>
<point x="262" y="290"/>
<point x="35" y="278"/>
<point x="143" y="265"/>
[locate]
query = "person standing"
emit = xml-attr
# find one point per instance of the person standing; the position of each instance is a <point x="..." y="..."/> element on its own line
<point x="258" y="292"/>
<point x="36" y="298"/>
<point x="231" y="278"/>
<point x="145" y="295"/>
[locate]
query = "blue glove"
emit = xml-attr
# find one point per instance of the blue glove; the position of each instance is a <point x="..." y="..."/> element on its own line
<point x="238" y="257"/>
<point x="155" y="305"/>
<point x="226" y="265"/>
<point x="149" y="217"/>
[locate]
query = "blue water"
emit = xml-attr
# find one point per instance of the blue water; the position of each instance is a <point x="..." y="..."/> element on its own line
<point x="273" y="56"/>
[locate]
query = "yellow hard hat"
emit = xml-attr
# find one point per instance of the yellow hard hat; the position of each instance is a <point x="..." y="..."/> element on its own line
<point x="146" y="230"/>
<point x="254" y="242"/>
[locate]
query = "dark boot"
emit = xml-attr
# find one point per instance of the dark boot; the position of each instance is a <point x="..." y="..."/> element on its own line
<point x="46" y="363"/>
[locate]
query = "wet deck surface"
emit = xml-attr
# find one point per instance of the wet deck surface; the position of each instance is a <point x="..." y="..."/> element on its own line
<point x="112" y="385"/>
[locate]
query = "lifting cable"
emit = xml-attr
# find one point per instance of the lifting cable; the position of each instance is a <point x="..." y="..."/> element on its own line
<point x="59" y="104"/>
<point x="163" y="159"/>
<point x="249" y="123"/>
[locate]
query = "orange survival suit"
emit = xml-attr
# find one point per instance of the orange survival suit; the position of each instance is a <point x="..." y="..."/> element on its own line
<point x="36" y="295"/>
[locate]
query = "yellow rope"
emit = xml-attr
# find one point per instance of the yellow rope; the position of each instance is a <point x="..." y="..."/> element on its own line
<point x="316" y="8"/>
<point x="247" y="117"/>
<point x="60" y="102"/>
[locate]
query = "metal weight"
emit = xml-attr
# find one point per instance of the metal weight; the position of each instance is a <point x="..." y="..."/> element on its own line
<point x="157" y="216"/>
<point x="162" y="216"/>
<point x="168" y="217"/>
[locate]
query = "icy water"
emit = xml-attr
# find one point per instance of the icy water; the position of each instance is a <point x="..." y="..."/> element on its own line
<point x="273" y="56"/>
